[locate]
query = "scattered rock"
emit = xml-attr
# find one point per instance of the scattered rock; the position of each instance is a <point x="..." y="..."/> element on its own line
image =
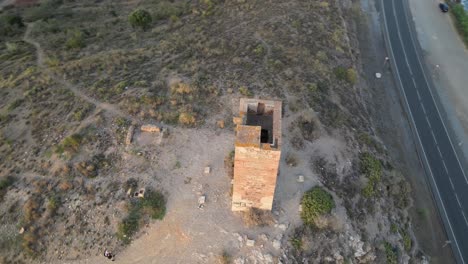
<point x="283" y="227"/>
<point x="239" y="261"/>
<point x="250" y="242"/>
<point x="21" y="231"/>
<point x="201" y="201"/>
<point x="128" y="139"/>
<point x="207" y="170"/>
<point x="220" y="123"/>
<point x="300" y="178"/>
<point x="276" y="244"/>
<point x="150" y="128"/>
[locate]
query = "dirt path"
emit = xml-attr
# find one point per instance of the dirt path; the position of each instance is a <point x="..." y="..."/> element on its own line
<point x="112" y="109"/>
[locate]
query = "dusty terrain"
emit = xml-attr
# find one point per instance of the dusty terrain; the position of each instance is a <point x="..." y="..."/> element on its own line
<point x="75" y="76"/>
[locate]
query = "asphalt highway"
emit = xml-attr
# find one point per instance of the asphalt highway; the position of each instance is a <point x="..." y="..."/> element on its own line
<point x="444" y="171"/>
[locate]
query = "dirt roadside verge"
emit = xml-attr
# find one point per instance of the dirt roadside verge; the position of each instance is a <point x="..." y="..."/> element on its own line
<point x="394" y="131"/>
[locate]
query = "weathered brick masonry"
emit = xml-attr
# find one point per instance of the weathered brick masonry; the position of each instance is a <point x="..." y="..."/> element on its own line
<point x="257" y="154"/>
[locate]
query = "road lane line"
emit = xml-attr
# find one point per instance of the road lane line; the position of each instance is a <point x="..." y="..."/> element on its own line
<point x="433" y="136"/>
<point x="440" y="153"/>
<point x="458" y="201"/>
<point x="424" y="109"/>
<point x="415" y="86"/>
<point x="419" y="95"/>
<point x="464" y="217"/>
<point x="430" y="91"/>
<point x="451" y="183"/>
<point x="445" y="167"/>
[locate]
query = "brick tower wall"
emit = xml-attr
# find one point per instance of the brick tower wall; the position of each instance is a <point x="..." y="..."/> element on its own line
<point x="255" y="173"/>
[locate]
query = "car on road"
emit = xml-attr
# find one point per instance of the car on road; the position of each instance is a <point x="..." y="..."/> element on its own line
<point x="443" y="7"/>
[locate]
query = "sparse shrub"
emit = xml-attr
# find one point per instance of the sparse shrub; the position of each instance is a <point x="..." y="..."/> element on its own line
<point x="30" y="210"/>
<point x="129" y="225"/>
<point x="351" y="76"/>
<point x="181" y="88"/>
<point x="391" y="253"/>
<point x="65" y="185"/>
<point x="259" y="50"/>
<point x="257" y="217"/>
<point x="15" y="104"/>
<point x="340" y="73"/>
<point x="407" y="242"/>
<point x="53" y="203"/>
<point x="4" y="184"/>
<point x="372" y="169"/>
<point x="296" y="242"/>
<point x="152" y="205"/>
<point x="291" y="160"/>
<point x="75" y="39"/>
<point x="308" y="126"/>
<point x="245" y="91"/>
<point x="29" y="242"/>
<point x="348" y="75"/>
<point x="168" y="9"/>
<point x="187" y="118"/>
<point x="70" y="144"/>
<point x="11" y="47"/>
<point x="140" y="19"/>
<point x="316" y="202"/>
<point x="225" y="258"/>
<point x="229" y="164"/>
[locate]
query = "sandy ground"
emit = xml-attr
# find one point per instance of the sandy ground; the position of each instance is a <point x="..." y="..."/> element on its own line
<point x="395" y="133"/>
<point x="447" y="59"/>
<point x="188" y="234"/>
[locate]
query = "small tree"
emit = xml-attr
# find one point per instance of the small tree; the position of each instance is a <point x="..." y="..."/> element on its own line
<point x="316" y="202"/>
<point x="140" y="18"/>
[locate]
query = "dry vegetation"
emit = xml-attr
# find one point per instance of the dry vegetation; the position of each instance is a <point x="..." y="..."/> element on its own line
<point x="64" y="143"/>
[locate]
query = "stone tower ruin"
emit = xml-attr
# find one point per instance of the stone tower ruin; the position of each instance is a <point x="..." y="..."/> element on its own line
<point x="257" y="154"/>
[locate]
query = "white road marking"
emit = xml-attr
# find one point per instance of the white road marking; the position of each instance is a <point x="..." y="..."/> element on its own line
<point x="424" y="109"/>
<point x="464" y="217"/>
<point x="446" y="170"/>
<point x="440" y="153"/>
<point x="458" y="201"/>
<point x="451" y="183"/>
<point x="433" y="136"/>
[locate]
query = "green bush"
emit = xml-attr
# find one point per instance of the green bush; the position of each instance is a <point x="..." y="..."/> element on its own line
<point x="152" y="205"/>
<point x="129" y="225"/>
<point x="140" y="18"/>
<point x="245" y="91"/>
<point x="75" y="40"/>
<point x="70" y="144"/>
<point x="461" y="18"/>
<point x="349" y="75"/>
<point x="316" y="202"/>
<point x="391" y="253"/>
<point x="372" y="169"/>
<point x="407" y="242"/>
